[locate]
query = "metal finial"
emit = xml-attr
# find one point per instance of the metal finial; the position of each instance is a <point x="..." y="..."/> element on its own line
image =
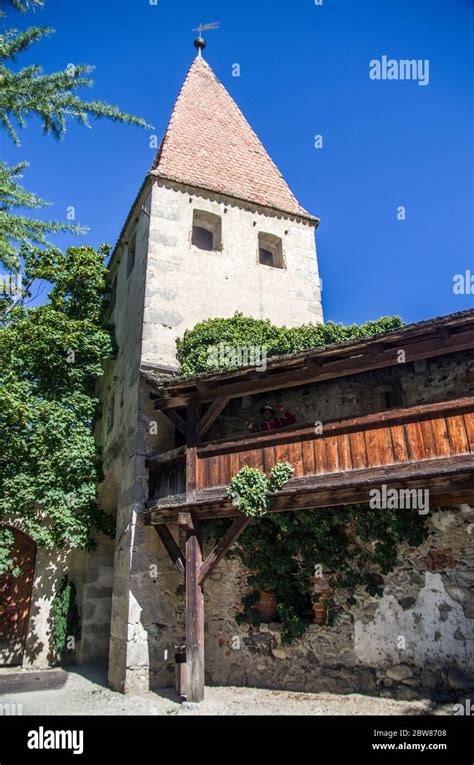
<point x="200" y="42"/>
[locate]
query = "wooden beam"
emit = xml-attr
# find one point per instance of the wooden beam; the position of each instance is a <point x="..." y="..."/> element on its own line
<point x="171" y="548"/>
<point x="191" y="452"/>
<point x="194" y="689"/>
<point x="176" y="419"/>
<point x="337" y="363"/>
<point x="220" y="549"/>
<point x="441" y="475"/>
<point x="208" y="419"/>
<point x="165" y="457"/>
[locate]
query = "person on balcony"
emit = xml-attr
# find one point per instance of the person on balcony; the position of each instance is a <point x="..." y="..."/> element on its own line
<point x="270" y="420"/>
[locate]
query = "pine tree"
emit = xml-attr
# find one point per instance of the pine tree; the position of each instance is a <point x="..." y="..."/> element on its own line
<point x="17" y="230"/>
<point x="26" y="93"/>
<point x="23" y="5"/>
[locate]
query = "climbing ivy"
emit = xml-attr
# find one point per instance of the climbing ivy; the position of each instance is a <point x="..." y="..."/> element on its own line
<point x="65" y="617"/>
<point x="7" y="543"/>
<point x="355" y="546"/>
<point x="249" y="489"/>
<point x="193" y="349"/>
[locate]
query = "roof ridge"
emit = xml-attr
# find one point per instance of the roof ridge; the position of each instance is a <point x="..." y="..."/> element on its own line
<point x="195" y="148"/>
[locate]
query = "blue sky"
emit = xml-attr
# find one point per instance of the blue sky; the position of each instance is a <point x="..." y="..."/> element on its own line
<point x="304" y="72"/>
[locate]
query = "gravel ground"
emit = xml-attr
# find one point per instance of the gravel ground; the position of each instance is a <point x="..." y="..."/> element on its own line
<point x="71" y="693"/>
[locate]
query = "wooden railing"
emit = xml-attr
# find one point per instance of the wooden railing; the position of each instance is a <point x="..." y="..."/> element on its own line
<point x="397" y="436"/>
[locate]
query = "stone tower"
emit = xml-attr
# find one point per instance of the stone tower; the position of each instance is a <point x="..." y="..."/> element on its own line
<point x="214" y="230"/>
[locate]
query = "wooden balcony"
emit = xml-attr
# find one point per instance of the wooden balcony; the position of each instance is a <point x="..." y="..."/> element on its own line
<point x="423" y="445"/>
<point x="430" y="447"/>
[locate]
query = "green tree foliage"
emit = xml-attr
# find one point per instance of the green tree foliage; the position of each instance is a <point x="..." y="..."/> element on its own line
<point x="194" y="349"/>
<point x="29" y="92"/>
<point x="50" y="358"/>
<point x="16" y="230"/>
<point x="52" y="98"/>
<point x="22" y="5"/>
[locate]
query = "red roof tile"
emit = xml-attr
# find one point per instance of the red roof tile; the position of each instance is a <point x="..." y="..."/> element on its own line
<point x="209" y="144"/>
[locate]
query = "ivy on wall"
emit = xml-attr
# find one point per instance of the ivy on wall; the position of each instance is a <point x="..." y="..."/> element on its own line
<point x="65" y="618"/>
<point x="354" y="546"/>
<point x="249" y="489"/>
<point x="193" y="349"/>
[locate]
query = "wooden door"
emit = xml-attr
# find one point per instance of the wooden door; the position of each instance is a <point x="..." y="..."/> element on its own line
<point x="15" y="600"/>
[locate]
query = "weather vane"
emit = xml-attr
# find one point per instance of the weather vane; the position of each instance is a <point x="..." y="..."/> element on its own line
<point x="200" y="42"/>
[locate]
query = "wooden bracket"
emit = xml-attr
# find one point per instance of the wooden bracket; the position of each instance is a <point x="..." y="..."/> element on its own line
<point x="220" y="549"/>
<point x="176" y="419"/>
<point x="208" y="419"/>
<point x="172" y="548"/>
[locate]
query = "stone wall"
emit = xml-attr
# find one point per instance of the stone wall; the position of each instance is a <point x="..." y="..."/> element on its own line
<point x="417" y="640"/>
<point x="121" y="438"/>
<point x="51" y="566"/>
<point x="186" y="285"/>
<point x="356" y="395"/>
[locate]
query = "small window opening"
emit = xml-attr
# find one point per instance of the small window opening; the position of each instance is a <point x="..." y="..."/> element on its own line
<point x="270" y="251"/>
<point x="207" y="231"/>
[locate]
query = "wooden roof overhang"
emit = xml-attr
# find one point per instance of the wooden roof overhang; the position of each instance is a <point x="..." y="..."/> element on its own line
<point x="437" y="337"/>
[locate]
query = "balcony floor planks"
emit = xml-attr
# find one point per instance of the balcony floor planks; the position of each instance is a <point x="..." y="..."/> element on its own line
<point x="450" y="478"/>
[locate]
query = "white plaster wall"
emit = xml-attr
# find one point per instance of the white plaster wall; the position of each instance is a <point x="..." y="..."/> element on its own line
<point x="185" y="285"/>
<point x="50" y="567"/>
<point x="434" y="630"/>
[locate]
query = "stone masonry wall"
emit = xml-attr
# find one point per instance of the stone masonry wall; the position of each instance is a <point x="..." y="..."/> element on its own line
<point x="418" y="639"/>
<point x="186" y="285"/>
<point x="356" y="395"/>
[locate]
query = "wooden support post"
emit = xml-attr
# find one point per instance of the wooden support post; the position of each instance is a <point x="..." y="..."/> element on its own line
<point x="194" y="676"/>
<point x="194" y="689"/>
<point x="191" y="452"/>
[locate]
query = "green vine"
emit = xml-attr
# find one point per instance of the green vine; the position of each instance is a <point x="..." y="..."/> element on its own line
<point x="65" y="616"/>
<point x="195" y="348"/>
<point x="7" y="544"/>
<point x="354" y="546"/>
<point x="249" y="489"/>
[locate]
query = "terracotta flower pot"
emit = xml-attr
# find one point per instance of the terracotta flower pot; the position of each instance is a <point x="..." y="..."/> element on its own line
<point x="266" y="605"/>
<point x="325" y="596"/>
<point x="319" y="611"/>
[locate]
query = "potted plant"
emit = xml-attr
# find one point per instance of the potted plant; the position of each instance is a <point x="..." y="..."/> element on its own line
<point x="319" y="609"/>
<point x="266" y="605"/>
<point x="322" y="594"/>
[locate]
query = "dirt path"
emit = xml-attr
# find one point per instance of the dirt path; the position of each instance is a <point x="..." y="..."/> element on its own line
<point x="56" y="692"/>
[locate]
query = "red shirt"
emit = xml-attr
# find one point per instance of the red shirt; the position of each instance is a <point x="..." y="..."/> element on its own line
<point x="276" y="422"/>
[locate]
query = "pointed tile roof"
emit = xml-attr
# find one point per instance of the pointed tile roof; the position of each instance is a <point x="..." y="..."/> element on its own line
<point x="209" y="144"/>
